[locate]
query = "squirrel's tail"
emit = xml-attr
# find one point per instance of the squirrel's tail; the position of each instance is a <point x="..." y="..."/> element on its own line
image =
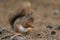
<point x="13" y="17"/>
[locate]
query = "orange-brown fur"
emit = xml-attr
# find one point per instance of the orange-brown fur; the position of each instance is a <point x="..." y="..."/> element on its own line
<point x="27" y="23"/>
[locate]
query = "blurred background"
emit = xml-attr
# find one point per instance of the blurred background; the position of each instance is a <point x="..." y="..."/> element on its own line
<point x="45" y="12"/>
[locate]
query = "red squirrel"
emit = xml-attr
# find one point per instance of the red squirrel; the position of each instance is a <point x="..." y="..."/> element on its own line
<point x="23" y="22"/>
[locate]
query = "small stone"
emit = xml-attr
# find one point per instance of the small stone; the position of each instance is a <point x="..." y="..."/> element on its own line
<point x="58" y="27"/>
<point x="38" y="34"/>
<point x="53" y="33"/>
<point x="55" y="12"/>
<point x="49" y="26"/>
<point x="19" y="38"/>
<point x="1" y="30"/>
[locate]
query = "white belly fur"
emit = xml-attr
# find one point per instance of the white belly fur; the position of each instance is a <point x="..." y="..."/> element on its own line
<point x="22" y="29"/>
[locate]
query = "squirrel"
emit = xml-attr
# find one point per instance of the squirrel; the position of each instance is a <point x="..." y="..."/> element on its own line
<point x="23" y="21"/>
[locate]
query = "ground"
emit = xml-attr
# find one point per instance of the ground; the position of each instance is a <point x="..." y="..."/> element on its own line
<point x="43" y="18"/>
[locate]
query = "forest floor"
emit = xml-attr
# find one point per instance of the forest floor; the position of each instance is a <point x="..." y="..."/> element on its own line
<point x="47" y="23"/>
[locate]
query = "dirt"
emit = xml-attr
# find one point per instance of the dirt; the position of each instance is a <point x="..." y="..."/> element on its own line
<point x="47" y="23"/>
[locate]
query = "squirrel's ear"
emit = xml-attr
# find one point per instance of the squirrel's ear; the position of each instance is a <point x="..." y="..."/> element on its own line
<point x="23" y="11"/>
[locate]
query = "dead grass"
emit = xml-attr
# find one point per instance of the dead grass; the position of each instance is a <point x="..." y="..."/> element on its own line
<point x="41" y="8"/>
